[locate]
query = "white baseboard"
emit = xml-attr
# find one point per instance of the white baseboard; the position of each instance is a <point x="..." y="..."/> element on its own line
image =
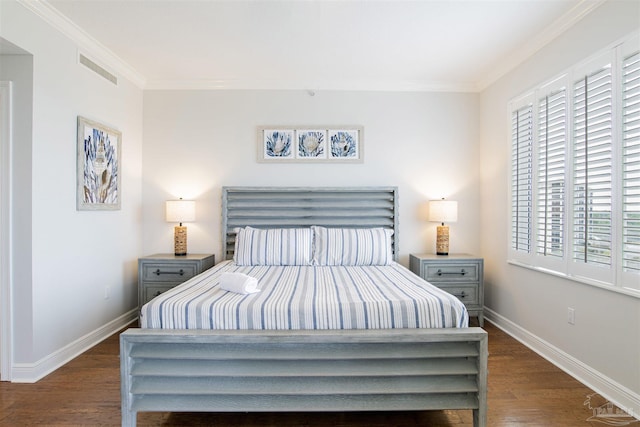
<point x="616" y="393"/>
<point x="32" y="372"/>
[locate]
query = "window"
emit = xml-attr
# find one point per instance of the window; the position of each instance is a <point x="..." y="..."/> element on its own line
<point x="575" y="172"/>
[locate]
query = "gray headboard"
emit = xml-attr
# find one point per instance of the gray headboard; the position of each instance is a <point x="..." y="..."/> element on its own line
<point x="286" y="207"/>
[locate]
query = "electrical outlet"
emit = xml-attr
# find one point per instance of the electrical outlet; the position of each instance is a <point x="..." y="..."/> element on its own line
<point x="571" y="316"/>
<point x="107" y="292"/>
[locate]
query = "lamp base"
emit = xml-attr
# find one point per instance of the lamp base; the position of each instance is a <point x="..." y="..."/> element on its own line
<point x="442" y="240"/>
<point x="180" y="240"/>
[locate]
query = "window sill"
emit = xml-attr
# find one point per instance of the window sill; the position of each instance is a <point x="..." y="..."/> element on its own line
<point x="635" y="293"/>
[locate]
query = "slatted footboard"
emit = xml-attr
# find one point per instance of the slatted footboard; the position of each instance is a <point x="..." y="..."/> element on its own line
<point x="305" y="371"/>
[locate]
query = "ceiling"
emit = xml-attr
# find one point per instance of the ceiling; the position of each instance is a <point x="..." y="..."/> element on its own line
<point x="452" y="45"/>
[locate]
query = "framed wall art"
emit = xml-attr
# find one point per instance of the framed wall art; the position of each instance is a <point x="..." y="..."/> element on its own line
<point x="344" y="144"/>
<point x="277" y="144"/>
<point x="99" y="164"/>
<point x="310" y="144"/>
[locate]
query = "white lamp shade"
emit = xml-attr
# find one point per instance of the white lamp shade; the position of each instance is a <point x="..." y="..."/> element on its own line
<point x="443" y="211"/>
<point x="181" y="210"/>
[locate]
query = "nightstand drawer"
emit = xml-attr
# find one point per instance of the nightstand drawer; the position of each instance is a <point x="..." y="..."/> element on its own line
<point x="150" y="292"/>
<point x="467" y="294"/>
<point x="451" y="272"/>
<point x="164" y="272"/>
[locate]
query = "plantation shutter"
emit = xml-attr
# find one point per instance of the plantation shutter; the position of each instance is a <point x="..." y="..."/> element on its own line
<point x="592" y="173"/>
<point x="551" y="174"/>
<point x="521" y="178"/>
<point x="631" y="163"/>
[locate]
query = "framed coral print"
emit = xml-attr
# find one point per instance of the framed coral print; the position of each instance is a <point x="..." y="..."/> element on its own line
<point x="344" y="144"/>
<point x="310" y="144"/>
<point x="99" y="164"/>
<point x="277" y="144"/>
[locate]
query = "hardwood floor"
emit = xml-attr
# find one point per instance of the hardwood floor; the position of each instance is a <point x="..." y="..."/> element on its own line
<point x="524" y="390"/>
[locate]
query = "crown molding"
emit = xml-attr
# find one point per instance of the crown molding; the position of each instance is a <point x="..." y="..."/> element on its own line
<point x="545" y="37"/>
<point x="325" y="85"/>
<point x="85" y="42"/>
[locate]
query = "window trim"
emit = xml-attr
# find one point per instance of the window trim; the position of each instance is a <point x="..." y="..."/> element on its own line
<point x="579" y="279"/>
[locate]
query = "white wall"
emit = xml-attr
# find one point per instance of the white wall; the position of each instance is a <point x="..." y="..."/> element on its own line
<point x="604" y="344"/>
<point x="195" y="142"/>
<point x="68" y="257"/>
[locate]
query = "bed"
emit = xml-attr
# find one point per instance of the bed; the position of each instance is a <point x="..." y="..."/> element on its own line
<point x="349" y="355"/>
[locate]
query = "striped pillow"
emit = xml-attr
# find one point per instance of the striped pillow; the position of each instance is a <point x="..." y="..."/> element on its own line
<point x="275" y="246"/>
<point x="352" y="246"/>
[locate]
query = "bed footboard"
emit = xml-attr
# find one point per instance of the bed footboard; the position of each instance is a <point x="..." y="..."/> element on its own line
<point x="303" y="371"/>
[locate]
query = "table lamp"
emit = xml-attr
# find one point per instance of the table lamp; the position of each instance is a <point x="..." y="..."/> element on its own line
<point x="180" y="211"/>
<point x="443" y="211"/>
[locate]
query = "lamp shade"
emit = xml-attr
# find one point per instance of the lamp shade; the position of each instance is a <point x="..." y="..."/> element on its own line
<point x="180" y="211"/>
<point x="443" y="211"/>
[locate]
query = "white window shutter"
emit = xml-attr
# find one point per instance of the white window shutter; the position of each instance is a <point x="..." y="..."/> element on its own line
<point x="522" y="178"/>
<point x="551" y="165"/>
<point x="631" y="163"/>
<point x="592" y="168"/>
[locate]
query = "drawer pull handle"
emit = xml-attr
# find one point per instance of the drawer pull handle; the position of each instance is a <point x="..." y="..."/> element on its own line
<point x="158" y="272"/>
<point x="461" y="295"/>
<point x="443" y="273"/>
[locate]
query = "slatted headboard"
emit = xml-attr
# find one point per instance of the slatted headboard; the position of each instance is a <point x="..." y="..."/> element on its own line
<point x="287" y="207"/>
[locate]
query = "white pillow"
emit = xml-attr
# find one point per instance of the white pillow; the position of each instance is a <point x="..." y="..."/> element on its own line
<point x="274" y="246"/>
<point x="352" y="246"/>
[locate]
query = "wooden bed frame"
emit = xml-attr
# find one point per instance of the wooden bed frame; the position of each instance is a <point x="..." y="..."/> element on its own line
<point x="304" y="371"/>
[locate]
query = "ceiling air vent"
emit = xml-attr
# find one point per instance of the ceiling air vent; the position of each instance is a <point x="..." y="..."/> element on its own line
<point x="97" y="69"/>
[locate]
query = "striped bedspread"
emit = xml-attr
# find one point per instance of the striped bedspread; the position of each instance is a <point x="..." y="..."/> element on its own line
<point x="307" y="297"/>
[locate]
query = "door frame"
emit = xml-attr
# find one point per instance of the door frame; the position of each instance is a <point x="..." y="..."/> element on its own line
<point x="6" y="318"/>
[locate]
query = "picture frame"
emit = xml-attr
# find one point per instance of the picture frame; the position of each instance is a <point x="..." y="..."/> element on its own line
<point x="277" y="144"/>
<point x="344" y="144"/>
<point x="99" y="164"/>
<point x="310" y="144"/>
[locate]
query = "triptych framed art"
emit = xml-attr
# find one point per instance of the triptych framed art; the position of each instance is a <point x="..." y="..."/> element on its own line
<point x="310" y="144"/>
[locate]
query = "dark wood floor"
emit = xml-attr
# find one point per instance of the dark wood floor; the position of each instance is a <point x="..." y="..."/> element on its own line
<point x="524" y="390"/>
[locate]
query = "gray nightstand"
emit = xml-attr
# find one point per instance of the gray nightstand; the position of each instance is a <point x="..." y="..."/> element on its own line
<point x="458" y="274"/>
<point x="161" y="272"/>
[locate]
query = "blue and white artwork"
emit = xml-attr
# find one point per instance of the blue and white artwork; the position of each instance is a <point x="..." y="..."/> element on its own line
<point x="312" y="144"/>
<point x="98" y="166"/>
<point x="344" y="144"/>
<point x="278" y="143"/>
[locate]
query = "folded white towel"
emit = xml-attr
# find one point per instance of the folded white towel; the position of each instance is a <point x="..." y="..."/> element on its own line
<point x="239" y="283"/>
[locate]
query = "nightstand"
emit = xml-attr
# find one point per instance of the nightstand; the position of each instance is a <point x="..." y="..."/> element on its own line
<point x="458" y="274"/>
<point x="161" y="272"/>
